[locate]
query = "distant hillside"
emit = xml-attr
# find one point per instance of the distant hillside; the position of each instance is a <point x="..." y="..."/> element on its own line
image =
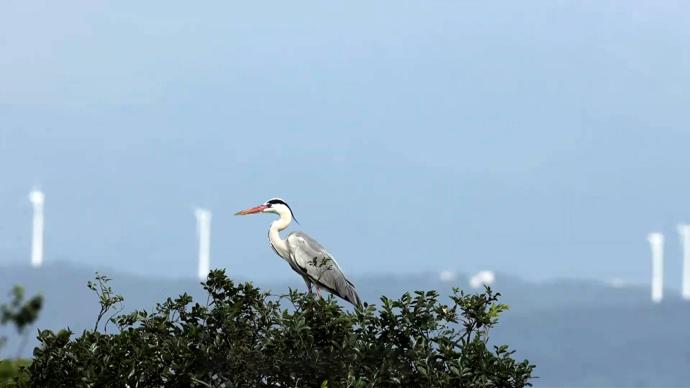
<point x="578" y="333"/>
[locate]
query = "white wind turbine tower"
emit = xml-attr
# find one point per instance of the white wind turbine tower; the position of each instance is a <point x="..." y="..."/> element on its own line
<point x="37" y="199"/>
<point x="203" y="222"/>
<point x="684" y="231"/>
<point x="656" y="241"/>
<point x="482" y="278"/>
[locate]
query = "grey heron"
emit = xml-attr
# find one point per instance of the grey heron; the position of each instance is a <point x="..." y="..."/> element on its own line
<point x="304" y="254"/>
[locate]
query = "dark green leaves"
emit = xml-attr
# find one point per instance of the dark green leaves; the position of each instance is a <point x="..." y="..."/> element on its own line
<point x="21" y="314"/>
<point x="243" y="336"/>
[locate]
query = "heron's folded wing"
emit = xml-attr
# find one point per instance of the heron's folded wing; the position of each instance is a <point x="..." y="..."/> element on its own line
<point x="319" y="265"/>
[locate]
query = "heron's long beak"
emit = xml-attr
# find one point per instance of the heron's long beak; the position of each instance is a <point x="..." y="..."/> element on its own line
<point x="254" y="210"/>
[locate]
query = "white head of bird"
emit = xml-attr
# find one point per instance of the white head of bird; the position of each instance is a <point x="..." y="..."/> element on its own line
<point x="281" y="208"/>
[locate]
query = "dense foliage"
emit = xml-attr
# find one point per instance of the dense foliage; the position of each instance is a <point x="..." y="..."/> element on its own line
<point x="242" y="336"/>
<point x="12" y="373"/>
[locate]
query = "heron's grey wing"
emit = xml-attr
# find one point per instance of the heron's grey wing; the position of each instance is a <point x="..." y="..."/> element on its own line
<point x="320" y="266"/>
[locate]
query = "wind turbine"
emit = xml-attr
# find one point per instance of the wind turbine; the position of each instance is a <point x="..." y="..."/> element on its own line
<point x="203" y="223"/>
<point x="684" y="231"/>
<point x="482" y="278"/>
<point x="37" y="199"/>
<point x="656" y="241"/>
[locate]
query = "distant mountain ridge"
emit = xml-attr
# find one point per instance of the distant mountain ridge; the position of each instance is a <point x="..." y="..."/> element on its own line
<point x="578" y="333"/>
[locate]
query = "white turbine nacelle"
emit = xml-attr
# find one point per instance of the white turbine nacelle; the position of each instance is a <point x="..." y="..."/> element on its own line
<point x="684" y="231"/>
<point x="482" y="278"/>
<point x="37" y="199"/>
<point x="447" y="276"/>
<point x="203" y="222"/>
<point x="656" y="242"/>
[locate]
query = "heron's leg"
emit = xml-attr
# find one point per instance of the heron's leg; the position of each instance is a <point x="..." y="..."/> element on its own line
<point x="318" y="292"/>
<point x="308" y="283"/>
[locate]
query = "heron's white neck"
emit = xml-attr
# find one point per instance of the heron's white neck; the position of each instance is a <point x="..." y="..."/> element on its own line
<point x="274" y="232"/>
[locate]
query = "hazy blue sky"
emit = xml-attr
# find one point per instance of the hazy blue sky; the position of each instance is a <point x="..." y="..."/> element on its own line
<point x="537" y="138"/>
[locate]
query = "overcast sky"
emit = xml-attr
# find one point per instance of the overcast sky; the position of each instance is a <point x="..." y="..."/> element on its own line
<point x="543" y="139"/>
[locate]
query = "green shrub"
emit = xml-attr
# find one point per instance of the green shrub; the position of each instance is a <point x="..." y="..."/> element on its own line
<point x="11" y="370"/>
<point x="245" y="337"/>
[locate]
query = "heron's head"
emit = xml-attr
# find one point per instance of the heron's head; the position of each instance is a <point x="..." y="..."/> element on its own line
<point x="273" y="205"/>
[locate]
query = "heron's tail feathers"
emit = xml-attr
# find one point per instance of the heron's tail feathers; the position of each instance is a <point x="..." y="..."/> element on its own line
<point x="351" y="296"/>
<point x="343" y="289"/>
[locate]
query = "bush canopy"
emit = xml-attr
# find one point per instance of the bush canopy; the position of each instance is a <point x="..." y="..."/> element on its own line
<point x="244" y="337"/>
